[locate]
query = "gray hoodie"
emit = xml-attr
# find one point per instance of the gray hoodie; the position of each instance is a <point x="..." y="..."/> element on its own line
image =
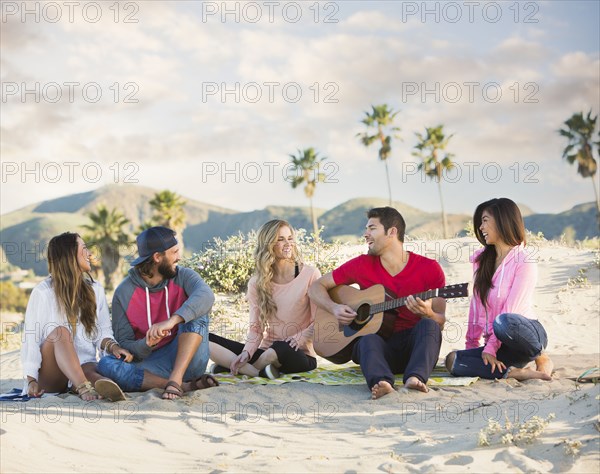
<point x="136" y="307"/>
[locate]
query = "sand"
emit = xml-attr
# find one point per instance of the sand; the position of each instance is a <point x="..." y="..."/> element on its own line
<point x="301" y="427"/>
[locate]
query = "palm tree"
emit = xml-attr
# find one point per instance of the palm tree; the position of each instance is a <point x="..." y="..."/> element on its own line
<point x="579" y="132"/>
<point x="169" y="212"/>
<point x="381" y="117"/>
<point x="106" y="232"/>
<point x="429" y="148"/>
<point x="306" y="166"/>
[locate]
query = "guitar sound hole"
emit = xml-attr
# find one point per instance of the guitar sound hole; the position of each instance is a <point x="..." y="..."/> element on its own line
<point x="362" y="316"/>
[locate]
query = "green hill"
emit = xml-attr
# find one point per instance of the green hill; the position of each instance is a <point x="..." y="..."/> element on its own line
<point x="25" y="232"/>
<point x="198" y="236"/>
<point x="25" y="243"/>
<point x="582" y="218"/>
<point x="348" y="219"/>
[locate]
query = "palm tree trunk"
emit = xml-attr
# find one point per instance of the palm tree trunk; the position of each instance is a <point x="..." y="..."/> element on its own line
<point x="444" y="220"/>
<point x="387" y="174"/>
<point x="314" y="220"/>
<point x="597" y="201"/>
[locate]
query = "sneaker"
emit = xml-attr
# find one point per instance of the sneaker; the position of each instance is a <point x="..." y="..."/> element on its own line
<point x="217" y="369"/>
<point x="272" y="372"/>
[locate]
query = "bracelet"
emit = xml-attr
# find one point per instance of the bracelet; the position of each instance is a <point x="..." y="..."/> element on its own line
<point x="110" y="345"/>
<point x="30" y="382"/>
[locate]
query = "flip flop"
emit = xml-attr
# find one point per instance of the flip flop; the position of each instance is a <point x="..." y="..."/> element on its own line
<point x="172" y="388"/>
<point x="202" y="382"/>
<point x="590" y="375"/>
<point x="109" y="390"/>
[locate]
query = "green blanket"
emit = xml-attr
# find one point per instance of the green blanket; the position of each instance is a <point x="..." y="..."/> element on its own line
<point x="348" y="374"/>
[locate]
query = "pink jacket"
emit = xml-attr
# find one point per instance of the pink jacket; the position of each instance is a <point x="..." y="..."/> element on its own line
<point x="512" y="290"/>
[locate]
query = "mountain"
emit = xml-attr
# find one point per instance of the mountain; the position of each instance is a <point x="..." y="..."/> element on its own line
<point x="348" y="219"/>
<point x="581" y="218"/>
<point x="26" y="232"/>
<point x="197" y="237"/>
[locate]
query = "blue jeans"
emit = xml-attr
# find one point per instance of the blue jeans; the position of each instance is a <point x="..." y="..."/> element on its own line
<point x="413" y="351"/>
<point x="130" y="376"/>
<point x="522" y="339"/>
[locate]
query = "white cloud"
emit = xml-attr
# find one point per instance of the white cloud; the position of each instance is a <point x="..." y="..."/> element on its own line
<point x="577" y="65"/>
<point x="369" y="57"/>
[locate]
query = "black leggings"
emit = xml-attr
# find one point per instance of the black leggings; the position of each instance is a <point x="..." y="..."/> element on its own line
<point x="291" y="360"/>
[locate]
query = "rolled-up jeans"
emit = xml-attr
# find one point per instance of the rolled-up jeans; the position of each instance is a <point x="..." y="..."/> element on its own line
<point x="522" y="339"/>
<point x="130" y="375"/>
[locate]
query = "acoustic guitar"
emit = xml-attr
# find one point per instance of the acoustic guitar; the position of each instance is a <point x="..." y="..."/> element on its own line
<point x="375" y="308"/>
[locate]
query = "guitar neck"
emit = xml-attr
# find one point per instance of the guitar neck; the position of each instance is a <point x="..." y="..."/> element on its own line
<point x="398" y="302"/>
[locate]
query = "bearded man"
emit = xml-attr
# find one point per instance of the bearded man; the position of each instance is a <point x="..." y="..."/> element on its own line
<point x="160" y="315"/>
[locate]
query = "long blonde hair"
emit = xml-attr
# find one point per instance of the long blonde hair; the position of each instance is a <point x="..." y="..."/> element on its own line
<point x="72" y="287"/>
<point x="264" y="256"/>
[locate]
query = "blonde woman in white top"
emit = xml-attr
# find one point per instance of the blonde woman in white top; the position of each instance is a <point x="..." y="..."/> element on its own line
<point x="66" y="324"/>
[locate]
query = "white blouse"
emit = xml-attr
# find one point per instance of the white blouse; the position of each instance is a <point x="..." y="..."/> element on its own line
<point x="43" y="316"/>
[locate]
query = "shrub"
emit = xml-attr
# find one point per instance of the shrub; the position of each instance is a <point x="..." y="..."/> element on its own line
<point x="13" y="298"/>
<point x="227" y="265"/>
<point x="516" y="434"/>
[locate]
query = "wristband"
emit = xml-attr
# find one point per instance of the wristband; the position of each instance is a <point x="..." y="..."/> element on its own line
<point x="30" y="382"/>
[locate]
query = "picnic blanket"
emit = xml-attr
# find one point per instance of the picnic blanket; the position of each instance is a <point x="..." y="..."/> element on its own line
<point x="340" y="375"/>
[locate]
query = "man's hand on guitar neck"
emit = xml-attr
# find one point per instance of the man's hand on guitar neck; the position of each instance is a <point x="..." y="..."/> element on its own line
<point x="427" y="308"/>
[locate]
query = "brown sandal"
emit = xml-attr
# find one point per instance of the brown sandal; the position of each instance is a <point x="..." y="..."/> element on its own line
<point x="203" y="382"/>
<point x="86" y="388"/>
<point x="172" y="388"/>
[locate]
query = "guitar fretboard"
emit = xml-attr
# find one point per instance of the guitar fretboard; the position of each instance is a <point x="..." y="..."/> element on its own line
<point x="396" y="303"/>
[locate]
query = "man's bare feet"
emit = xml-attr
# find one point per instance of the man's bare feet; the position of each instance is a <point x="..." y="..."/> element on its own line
<point x="380" y="389"/>
<point x="544" y="364"/>
<point x="415" y="384"/>
<point x="527" y="374"/>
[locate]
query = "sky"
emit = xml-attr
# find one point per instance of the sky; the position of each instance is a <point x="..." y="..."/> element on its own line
<point x="209" y="99"/>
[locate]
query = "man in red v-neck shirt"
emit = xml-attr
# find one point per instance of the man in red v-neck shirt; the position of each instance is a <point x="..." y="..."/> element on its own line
<point x="414" y="346"/>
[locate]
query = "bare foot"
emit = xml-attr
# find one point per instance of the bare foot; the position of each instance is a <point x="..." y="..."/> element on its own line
<point x="544" y="364"/>
<point x="527" y="374"/>
<point x="380" y="389"/>
<point x="415" y="384"/>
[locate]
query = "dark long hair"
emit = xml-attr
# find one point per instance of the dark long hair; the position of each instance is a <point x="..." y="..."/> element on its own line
<point x="72" y="287"/>
<point x="511" y="230"/>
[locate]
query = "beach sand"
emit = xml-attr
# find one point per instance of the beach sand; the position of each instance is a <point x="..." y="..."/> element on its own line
<point x="302" y="427"/>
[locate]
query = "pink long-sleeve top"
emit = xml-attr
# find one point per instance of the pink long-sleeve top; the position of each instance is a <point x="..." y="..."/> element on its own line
<point x="512" y="290"/>
<point x="295" y="314"/>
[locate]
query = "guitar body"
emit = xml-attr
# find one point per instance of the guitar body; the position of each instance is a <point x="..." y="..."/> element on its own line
<point x="335" y="342"/>
<point x="376" y="314"/>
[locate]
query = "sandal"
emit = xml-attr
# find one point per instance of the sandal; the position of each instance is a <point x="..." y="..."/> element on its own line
<point x="86" y="389"/>
<point x="109" y="390"/>
<point x="591" y="375"/>
<point x="204" y="381"/>
<point x="172" y="388"/>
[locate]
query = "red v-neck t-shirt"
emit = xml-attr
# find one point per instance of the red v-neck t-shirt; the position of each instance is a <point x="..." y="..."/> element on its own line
<point x="420" y="274"/>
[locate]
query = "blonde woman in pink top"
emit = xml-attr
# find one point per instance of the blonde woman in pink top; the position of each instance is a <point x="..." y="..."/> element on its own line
<point x="501" y="308"/>
<point x="281" y="314"/>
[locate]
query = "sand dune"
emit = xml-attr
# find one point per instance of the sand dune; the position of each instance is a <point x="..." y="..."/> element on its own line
<point x="301" y="427"/>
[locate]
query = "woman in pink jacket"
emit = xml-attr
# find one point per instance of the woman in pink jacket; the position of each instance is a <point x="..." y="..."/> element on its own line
<point x="501" y="309"/>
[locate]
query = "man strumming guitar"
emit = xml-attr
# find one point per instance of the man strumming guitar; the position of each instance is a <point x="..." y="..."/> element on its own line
<point x="414" y="346"/>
